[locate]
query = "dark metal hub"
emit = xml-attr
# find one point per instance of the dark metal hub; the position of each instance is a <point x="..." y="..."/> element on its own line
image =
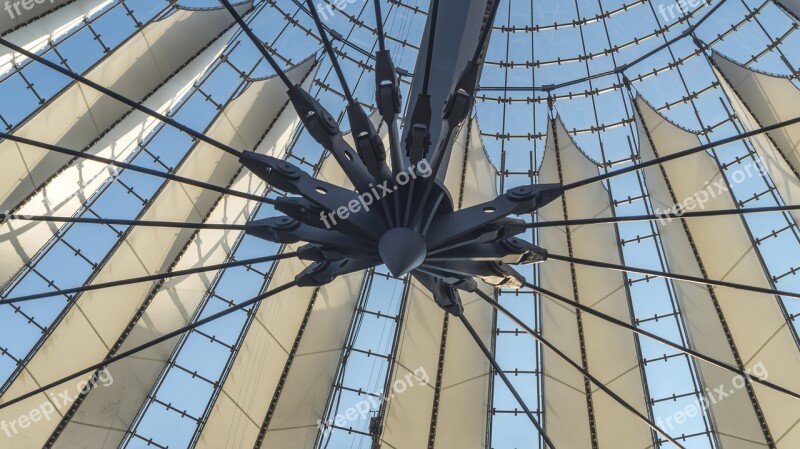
<point x="402" y="250"/>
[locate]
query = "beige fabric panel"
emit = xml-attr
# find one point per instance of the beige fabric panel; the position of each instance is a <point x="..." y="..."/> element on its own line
<point x="79" y="114"/>
<point x="734" y="419"/>
<point x="773" y="99"/>
<point x="464" y="398"/>
<point x="108" y="412"/>
<point x="20" y="15"/>
<point x="407" y="420"/>
<point x="463" y="402"/>
<point x="98" y="319"/>
<point x="238" y="414"/>
<point x="611" y="351"/>
<point x="475" y="171"/>
<point x="305" y="394"/>
<point x="35" y="36"/>
<point x="65" y="194"/>
<point x="757" y="323"/>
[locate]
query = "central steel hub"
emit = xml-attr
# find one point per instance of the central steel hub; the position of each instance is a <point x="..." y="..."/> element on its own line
<point x="402" y="250"/>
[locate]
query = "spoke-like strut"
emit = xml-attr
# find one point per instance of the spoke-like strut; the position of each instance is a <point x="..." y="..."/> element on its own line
<point x="152" y="277"/>
<point x="503" y="376"/>
<point x="678" y="277"/>
<point x="149" y="344"/>
<point x="538" y="337"/>
<point x="662" y="340"/>
<point x="121" y="98"/>
<point x="134" y="168"/>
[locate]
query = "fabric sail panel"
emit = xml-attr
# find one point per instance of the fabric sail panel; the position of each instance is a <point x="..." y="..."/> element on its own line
<point x="78" y="115"/>
<point x="105" y="415"/>
<point x="65" y="194"/>
<point x="303" y="398"/>
<point x="757" y="323"/>
<point x="463" y="401"/>
<point x="407" y="418"/>
<point x="238" y="414"/>
<point x="99" y="317"/>
<point x="14" y="16"/>
<point x="464" y="397"/>
<point x="759" y="99"/>
<point x="37" y="35"/>
<point x="611" y="352"/>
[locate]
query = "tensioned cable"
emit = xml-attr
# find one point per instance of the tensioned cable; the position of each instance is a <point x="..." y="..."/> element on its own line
<point x="503" y="376"/>
<point x="348" y="95"/>
<point x="258" y="43"/>
<point x="666" y="216"/>
<point x="152" y="277"/>
<point x="135" y="168"/>
<point x="123" y="222"/>
<point x="678" y="277"/>
<point x="681" y="154"/>
<point x="122" y="99"/>
<point x="662" y="340"/>
<point x="149" y="344"/>
<point x="538" y="337"/>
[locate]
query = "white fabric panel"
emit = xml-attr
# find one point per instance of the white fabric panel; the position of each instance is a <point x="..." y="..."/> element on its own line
<point x="16" y="15"/>
<point x="305" y="394"/>
<point x="108" y="412"/>
<point x="98" y="319"/>
<point x="65" y="194"/>
<point x="734" y="419"/>
<point x="757" y="323"/>
<point x="474" y="170"/>
<point x="611" y="351"/>
<point x="238" y="414"/>
<point x="407" y="421"/>
<point x="463" y="400"/>
<point x="37" y="35"/>
<point x="773" y="99"/>
<point x="79" y="114"/>
<point x="464" y="397"/>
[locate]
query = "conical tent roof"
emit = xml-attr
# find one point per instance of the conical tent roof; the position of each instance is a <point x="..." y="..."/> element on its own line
<point x="399" y="224"/>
